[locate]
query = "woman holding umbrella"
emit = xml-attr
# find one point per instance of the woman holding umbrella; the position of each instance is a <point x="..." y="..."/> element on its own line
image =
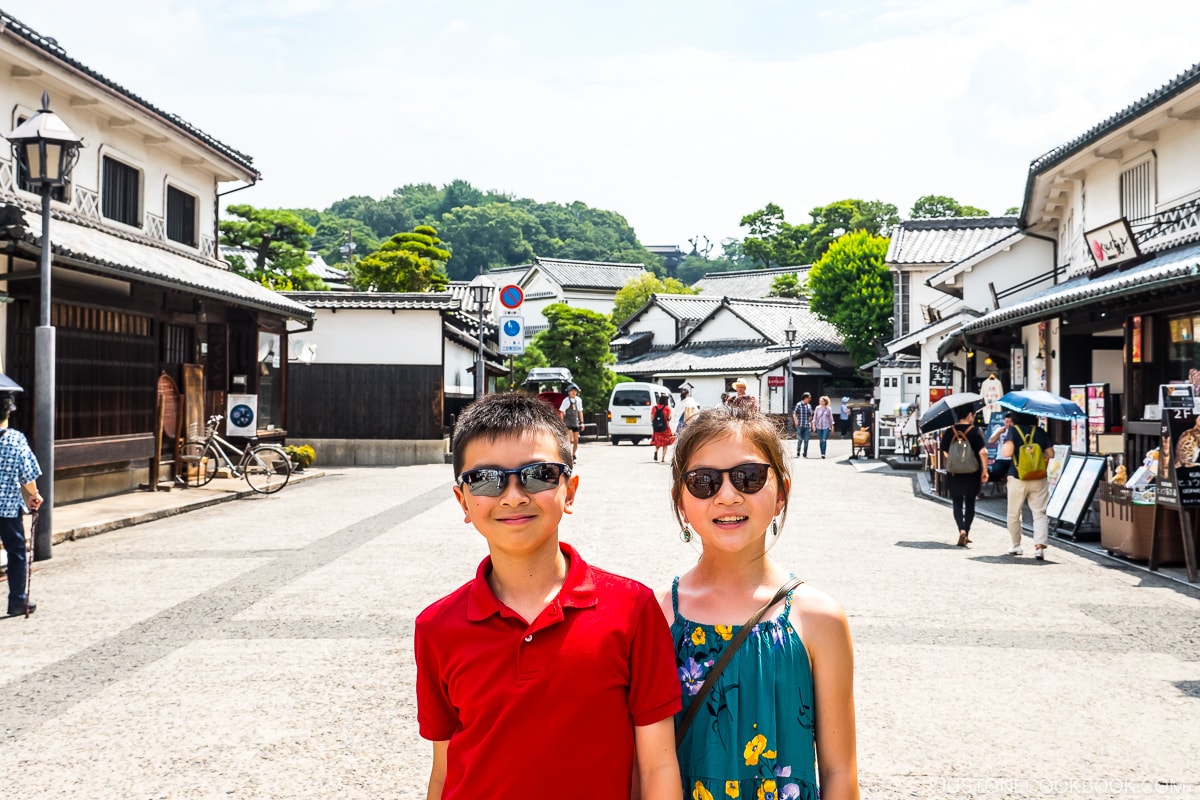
<point x="963" y="486"/>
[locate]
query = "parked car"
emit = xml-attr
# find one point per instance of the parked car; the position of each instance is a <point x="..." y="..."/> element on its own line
<point x="629" y="408"/>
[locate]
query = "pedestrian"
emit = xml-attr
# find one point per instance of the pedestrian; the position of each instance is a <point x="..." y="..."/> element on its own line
<point x="999" y="470"/>
<point x="724" y="398"/>
<point x="660" y="427"/>
<point x="540" y="646"/>
<point x="19" y="470"/>
<point x="822" y="422"/>
<point x="688" y="408"/>
<point x="802" y="416"/>
<point x="963" y="486"/>
<point x="741" y="399"/>
<point x="570" y="411"/>
<point x="1029" y="450"/>
<point x="778" y="720"/>
<point x="844" y="418"/>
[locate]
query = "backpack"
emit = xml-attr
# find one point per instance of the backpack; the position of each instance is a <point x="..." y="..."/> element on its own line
<point x="658" y="420"/>
<point x="1030" y="458"/>
<point x="963" y="460"/>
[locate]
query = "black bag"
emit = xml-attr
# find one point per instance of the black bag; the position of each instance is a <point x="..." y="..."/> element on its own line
<point x="658" y="420"/>
<point x="962" y="461"/>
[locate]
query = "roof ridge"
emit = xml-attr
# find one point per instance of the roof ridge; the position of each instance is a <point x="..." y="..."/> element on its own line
<point x="936" y="223"/>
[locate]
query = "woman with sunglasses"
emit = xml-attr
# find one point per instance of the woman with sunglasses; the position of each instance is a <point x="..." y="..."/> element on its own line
<point x="778" y="721"/>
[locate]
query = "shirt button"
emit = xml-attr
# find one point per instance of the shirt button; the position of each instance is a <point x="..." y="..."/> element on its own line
<point x="529" y="638"/>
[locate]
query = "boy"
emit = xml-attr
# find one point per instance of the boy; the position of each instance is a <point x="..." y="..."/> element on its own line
<point x="543" y="676"/>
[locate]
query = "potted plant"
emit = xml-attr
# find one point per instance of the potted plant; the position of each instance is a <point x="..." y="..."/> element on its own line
<point x="301" y="456"/>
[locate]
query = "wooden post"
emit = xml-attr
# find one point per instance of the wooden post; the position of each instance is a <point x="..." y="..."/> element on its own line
<point x="158" y="442"/>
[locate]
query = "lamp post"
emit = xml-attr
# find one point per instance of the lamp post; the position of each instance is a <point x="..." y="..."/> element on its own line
<point x="46" y="150"/>
<point x="790" y="334"/>
<point x="481" y="292"/>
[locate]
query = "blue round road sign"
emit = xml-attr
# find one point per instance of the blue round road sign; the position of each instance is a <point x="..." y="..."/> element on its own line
<point x="512" y="327"/>
<point x="511" y="296"/>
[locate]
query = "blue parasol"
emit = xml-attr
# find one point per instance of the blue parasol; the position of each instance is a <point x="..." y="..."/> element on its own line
<point x="1042" y="404"/>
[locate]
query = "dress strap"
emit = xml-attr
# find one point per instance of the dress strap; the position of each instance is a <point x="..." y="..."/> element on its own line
<point x="675" y="597"/>
<point x="787" y="605"/>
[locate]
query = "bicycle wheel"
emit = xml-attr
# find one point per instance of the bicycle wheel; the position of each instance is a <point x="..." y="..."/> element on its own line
<point x="267" y="469"/>
<point x="198" y="463"/>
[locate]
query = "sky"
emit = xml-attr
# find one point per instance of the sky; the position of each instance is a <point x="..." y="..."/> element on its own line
<point x="681" y="116"/>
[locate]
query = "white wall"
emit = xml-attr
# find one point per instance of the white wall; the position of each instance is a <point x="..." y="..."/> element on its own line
<point x="724" y="325"/>
<point x="376" y="336"/>
<point x="658" y="322"/>
<point x="456" y="379"/>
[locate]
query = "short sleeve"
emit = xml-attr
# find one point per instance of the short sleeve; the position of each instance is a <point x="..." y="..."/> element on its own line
<point x="29" y="469"/>
<point x="565" y="404"/>
<point x="944" y="445"/>
<point x="436" y="715"/>
<point x="654" y="691"/>
<point x="977" y="441"/>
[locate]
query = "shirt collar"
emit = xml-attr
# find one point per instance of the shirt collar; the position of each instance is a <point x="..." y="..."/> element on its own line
<point x="578" y="589"/>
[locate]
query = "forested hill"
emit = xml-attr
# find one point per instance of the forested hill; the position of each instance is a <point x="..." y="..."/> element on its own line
<point x="481" y="229"/>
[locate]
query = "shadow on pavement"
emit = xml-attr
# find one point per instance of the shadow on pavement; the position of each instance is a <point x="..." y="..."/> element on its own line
<point x="927" y="545"/>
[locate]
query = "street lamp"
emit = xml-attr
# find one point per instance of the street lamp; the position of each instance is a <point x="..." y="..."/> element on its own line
<point x="481" y="292"/>
<point x="790" y="334"/>
<point x="46" y="150"/>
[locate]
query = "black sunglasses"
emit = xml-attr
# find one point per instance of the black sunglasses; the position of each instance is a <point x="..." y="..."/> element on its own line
<point x="703" y="483"/>
<point x="490" y="481"/>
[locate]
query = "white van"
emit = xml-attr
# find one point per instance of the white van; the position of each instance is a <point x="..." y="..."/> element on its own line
<point x="629" y="409"/>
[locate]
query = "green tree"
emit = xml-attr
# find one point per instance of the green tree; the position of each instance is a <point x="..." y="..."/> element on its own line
<point x="407" y="262"/>
<point x="636" y="293"/>
<point x="279" y="240"/>
<point x="850" y="288"/>
<point x="771" y="240"/>
<point x="938" y="205"/>
<point x="482" y="237"/>
<point x="787" y="285"/>
<point x="577" y="339"/>
<point x="832" y="221"/>
<point x="1012" y="211"/>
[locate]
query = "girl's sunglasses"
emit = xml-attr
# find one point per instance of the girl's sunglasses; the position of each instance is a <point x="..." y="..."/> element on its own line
<point x="746" y="478"/>
<point x="534" y="478"/>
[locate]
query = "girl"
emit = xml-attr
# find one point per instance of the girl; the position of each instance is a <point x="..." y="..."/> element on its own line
<point x="964" y="486"/>
<point x="786" y="699"/>
<point x="664" y="438"/>
<point x="822" y="422"/>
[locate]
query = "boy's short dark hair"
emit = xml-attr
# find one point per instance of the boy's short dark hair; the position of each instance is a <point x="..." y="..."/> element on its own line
<point x="1021" y="418"/>
<point x="508" y="414"/>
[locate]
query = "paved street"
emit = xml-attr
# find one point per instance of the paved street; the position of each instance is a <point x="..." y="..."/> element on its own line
<point x="262" y="648"/>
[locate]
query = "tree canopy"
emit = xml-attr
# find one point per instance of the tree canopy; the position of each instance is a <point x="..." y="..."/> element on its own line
<point x="774" y="242"/>
<point x="637" y="291"/>
<point x="407" y="262"/>
<point x="850" y="288"/>
<point x="787" y="285"/>
<point x="938" y="205"/>
<point x="279" y="240"/>
<point x="578" y="340"/>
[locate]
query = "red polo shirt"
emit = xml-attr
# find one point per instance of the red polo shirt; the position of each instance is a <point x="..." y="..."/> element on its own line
<point x="544" y="709"/>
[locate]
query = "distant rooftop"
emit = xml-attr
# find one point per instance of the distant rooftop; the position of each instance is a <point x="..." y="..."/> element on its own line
<point x="747" y="282"/>
<point x="946" y="240"/>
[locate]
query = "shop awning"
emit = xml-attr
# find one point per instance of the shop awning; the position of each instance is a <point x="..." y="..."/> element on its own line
<point x="1163" y="272"/>
<point x="106" y="253"/>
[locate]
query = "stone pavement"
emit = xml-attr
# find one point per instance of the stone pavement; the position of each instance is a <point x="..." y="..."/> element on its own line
<point x="264" y="649"/>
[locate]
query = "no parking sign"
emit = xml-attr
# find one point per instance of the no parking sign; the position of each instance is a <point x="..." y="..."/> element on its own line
<point x="512" y="296"/>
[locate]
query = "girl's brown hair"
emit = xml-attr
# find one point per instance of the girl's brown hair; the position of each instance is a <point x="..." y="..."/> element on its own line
<point x="715" y="423"/>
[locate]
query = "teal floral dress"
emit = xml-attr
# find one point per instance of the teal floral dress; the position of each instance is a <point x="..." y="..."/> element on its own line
<point x="755" y="738"/>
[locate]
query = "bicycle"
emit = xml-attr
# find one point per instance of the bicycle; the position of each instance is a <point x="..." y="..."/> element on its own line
<point x="265" y="467"/>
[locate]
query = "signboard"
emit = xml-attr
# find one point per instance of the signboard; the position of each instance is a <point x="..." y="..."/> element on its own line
<point x="512" y="334"/>
<point x="1079" y="426"/>
<point x="939" y="373"/>
<point x="1077" y="495"/>
<point x="1179" y="459"/>
<point x="1097" y="411"/>
<point x="241" y="414"/>
<point x="774" y="381"/>
<point x="1016" y="363"/>
<point x="512" y="296"/>
<point x="1112" y="244"/>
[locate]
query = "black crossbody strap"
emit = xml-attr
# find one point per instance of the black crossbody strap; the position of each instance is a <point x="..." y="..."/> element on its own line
<point x="726" y="657"/>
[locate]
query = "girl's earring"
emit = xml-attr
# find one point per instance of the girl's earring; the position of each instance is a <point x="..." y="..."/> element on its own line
<point x="774" y="527"/>
<point x="685" y="533"/>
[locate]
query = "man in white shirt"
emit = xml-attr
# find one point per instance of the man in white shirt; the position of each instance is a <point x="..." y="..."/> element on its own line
<point x="571" y="412"/>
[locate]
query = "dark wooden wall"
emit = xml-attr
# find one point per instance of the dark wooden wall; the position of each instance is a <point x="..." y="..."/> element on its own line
<point x="364" y="401"/>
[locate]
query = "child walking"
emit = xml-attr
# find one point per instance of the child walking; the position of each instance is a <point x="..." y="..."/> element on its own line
<point x="779" y="720"/>
<point x="543" y="676"/>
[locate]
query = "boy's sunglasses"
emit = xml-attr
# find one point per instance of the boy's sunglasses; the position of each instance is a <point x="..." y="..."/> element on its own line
<point x="746" y="478"/>
<point x="534" y="478"/>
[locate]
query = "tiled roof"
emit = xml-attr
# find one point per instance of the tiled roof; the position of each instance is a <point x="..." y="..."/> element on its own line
<point x="588" y="274"/>
<point x="49" y="47"/>
<point x="160" y="264"/>
<point x="410" y="301"/>
<point x="631" y="338"/>
<point x="771" y="317"/>
<point x="686" y="307"/>
<point x="703" y="359"/>
<point x="1160" y="96"/>
<point x="946" y="240"/>
<point x="745" y="283"/>
<point x="1156" y="275"/>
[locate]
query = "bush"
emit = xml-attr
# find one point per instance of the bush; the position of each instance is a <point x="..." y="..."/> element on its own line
<point x="302" y="455"/>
